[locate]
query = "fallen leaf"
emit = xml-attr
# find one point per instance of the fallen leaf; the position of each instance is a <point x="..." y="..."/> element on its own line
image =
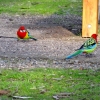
<point x="62" y="95"/>
<point x="4" y="92"/>
<point x="20" y="97"/>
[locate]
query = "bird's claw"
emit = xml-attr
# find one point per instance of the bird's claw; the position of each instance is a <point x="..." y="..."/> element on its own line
<point x="90" y="55"/>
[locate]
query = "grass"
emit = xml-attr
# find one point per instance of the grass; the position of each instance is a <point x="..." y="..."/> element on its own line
<point x="43" y="7"/>
<point x="44" y="83"/>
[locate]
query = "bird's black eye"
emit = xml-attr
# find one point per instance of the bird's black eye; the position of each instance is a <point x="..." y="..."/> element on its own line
<point x="24" y="31"/>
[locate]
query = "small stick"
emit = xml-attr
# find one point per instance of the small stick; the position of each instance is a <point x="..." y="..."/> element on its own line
<point x="7" y="37"/>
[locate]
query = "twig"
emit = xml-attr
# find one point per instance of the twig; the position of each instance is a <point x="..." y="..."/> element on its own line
<point x="7" y="37"/>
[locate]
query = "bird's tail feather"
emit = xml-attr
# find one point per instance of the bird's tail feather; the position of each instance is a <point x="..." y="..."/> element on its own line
<point x="31" y="37"/>
<point x="74" y="54"/>
<point x="34" y="38"/>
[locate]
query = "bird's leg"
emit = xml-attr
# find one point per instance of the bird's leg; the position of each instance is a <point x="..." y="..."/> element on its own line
<point x="24" y="40"/>
<point x="18" y="39"/>
<point x="21" y="40"/>
<point x="90" y="55"/>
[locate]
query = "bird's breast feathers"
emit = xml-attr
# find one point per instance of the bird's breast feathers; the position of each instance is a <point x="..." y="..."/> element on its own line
<point x="26" y="36"/>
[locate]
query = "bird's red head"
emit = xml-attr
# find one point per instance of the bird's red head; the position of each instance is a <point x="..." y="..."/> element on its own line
<point x="21" y="33"/>
<point x="94" y="36"/>
<point x="22" y="28"/>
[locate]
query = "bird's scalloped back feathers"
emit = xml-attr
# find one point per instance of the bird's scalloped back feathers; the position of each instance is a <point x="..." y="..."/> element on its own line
<point x="89" y="42"/>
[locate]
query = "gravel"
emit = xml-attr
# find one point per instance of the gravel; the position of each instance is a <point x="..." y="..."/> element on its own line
<point x="54" y="43"/>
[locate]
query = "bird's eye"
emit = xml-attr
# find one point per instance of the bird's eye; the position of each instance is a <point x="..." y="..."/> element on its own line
<point x="24" y="31"/>
<point x="21" y="31"/>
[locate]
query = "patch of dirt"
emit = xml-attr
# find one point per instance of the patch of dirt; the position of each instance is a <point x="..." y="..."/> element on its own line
<point x="54" y="44"/>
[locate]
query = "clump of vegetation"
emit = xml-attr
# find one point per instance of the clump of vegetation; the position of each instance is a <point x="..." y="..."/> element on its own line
<point x="50" y="83"/>
<point x="44" y="7"/>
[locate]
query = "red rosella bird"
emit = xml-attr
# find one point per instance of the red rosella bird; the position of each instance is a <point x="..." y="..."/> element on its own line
<point x="88" y="47"/>
<point x="22" y="33"/>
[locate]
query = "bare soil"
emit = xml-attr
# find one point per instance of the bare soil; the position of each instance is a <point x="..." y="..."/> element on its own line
<point x="50" y="50"/>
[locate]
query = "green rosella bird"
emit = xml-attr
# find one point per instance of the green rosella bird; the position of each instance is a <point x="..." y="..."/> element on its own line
<point x="88" y="47"/>
<point x="22" y="33"/>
